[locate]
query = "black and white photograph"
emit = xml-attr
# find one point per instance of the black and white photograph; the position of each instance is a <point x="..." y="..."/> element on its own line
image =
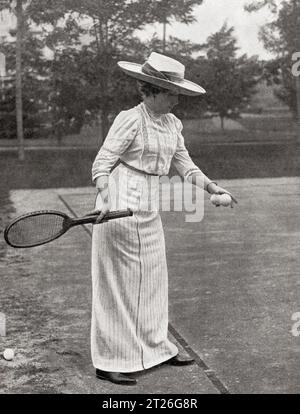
<point x="149" y="199"/>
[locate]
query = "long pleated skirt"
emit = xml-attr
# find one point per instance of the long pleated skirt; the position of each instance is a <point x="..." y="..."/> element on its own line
<point x="129" y="330"/>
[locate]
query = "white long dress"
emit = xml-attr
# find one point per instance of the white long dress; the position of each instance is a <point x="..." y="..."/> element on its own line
<point x="129" y="330"/>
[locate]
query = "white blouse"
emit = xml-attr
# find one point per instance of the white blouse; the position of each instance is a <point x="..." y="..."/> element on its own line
<point x="145" y="141"/>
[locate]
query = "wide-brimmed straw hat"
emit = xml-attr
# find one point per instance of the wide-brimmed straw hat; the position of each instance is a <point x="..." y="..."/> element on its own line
<point x="162" y="71"/>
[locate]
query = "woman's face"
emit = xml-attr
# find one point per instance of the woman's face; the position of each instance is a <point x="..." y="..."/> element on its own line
<point x="164" y="102"/>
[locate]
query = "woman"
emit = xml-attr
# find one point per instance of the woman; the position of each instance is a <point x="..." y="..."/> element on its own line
<point x="129" y="270"/>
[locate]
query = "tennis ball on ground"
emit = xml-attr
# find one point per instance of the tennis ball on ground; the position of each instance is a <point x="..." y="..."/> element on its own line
<point x="9" y="354"/>
<point x="215" y="199"/>
<point x="225" y="200"/>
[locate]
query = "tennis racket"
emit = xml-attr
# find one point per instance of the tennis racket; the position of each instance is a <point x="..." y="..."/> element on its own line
<point x="40" y="227"/>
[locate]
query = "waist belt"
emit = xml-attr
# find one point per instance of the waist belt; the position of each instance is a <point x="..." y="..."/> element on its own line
<point x="136" y="169"/>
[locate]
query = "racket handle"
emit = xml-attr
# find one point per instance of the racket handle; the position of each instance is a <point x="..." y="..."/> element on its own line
<point x="117" y="214"/>
<point x="91" y="218"/>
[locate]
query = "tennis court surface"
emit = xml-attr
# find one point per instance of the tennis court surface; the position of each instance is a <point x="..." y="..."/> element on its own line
<point x="234" y="287"/>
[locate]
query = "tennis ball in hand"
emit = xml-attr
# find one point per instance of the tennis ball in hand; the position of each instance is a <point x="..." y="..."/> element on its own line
<point x="9" y="354"/>
<point x="216" y="199"/>
<point x="225" y="200"/>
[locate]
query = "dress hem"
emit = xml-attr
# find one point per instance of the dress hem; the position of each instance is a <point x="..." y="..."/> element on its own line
<point x="134" y="369"/>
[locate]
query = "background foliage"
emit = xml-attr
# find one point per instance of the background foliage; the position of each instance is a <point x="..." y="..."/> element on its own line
<point x="71" y="49"/>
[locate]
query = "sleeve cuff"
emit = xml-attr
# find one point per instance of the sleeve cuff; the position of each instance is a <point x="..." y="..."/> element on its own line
<point x="99" y="175"/>
<point x="190" y="172"/>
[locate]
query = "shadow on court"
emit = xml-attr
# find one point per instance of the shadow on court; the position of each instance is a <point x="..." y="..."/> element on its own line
<point x="234" y="286"/>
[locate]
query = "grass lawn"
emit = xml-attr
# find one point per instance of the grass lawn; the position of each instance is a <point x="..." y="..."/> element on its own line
<point x="247" y="128"/>
<point x="276" y="155"/>
<point x="72" y="168"/>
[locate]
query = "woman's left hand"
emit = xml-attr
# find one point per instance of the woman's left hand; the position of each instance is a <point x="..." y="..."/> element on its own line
<point x="215" y="189"/>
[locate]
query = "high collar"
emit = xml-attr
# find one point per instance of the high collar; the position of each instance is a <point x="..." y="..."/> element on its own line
<point x="151" y="113"/>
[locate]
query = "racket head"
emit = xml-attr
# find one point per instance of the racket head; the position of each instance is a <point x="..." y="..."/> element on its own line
<point x="36" y="228"/>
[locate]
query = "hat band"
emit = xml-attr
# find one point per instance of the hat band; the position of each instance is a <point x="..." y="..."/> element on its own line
<point x="147" y="69"/>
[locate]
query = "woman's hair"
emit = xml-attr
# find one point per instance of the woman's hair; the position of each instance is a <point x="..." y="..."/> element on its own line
<point x="147" y="89"/>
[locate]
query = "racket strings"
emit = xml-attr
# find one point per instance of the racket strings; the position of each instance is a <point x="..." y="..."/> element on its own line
<point x="36" y="229"/>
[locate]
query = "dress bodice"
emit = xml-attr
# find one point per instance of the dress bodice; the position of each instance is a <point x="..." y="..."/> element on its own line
<point x="146" y="141"/>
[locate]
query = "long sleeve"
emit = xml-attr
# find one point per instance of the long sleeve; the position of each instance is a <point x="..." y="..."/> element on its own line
<point x="119" y="138"/>
<point x="181" y="159"/>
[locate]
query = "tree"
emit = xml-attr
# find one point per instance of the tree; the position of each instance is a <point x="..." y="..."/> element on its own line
<point x="229" y="80"/>
<point x="8" y="121"/>
<point x="256" y="5"/>
<point x="27" y="50"/>
<point x="93" y="67"/>
<point x="22" y="33"/>
<point x="32" y="91"/>
<point x="109" y="27"/>
<point x="282" y="37"/>
<point x="83" y="76"/>
<point x="164" y="11"/>
<point x="114" y="23"/>
<point x="18" y="8"/>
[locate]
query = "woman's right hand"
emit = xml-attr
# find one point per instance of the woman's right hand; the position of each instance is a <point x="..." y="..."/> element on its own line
<point x="102" y="212"/>
<point x="103" y="194"/>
